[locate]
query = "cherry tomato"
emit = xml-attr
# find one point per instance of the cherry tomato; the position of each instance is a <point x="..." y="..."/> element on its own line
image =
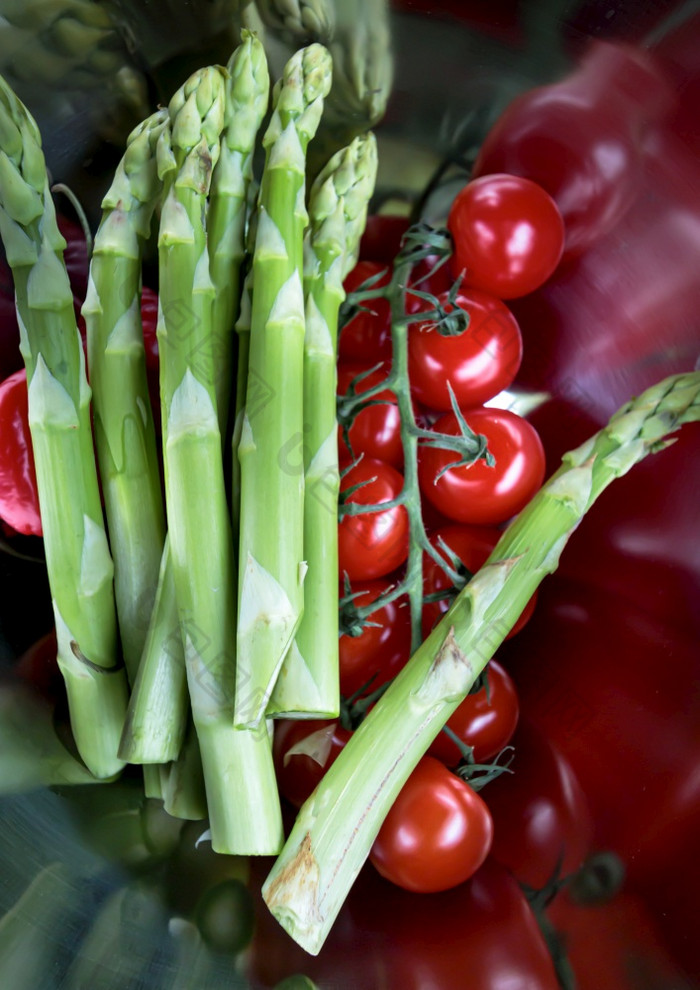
<point x="376" y="430"/>
<point x="483" y="721"/>
<point x="372" y="544"/>
<point x="19" y="500"/>
<point x="478" y="493"/>
<point x="366" y="337"/>
<point x="383" y="646"/>
<point x="473" y="546"/>
<point x="478" y="363"/>
<point x="437" y="833"/>
<point x="541" y="817"/>
<point x="316" y="744"/>
<point x="508" y="235"/>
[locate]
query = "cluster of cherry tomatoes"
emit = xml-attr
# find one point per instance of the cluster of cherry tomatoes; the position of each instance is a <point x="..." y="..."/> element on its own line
<point x="508" y="238"/>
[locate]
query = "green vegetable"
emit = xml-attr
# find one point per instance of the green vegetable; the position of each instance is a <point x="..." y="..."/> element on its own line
<point x="123" y="422"/>
<point x="271" y="568"/>
<point x="241" y="792"/>
<point x="246" y="99"/>
<point x="78" y="560"/>
<point x="335" y="829"/>
<point x="308" y="681"/>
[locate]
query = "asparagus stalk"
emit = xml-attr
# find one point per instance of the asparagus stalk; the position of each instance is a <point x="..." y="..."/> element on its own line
<point x="124" y="430"/>
<point x="363" y="69"/>
<point x="80" y="568"/>
<point x="299" y="21"/>
<point x="270" y="598"/>
<point x="156" y="718"/>
<point x="247" y="95"/>
<point x="335" y="829"/>
<point x="308" y="680"/>
<point x="183" y="783"/>
<point x="239" y="778"/>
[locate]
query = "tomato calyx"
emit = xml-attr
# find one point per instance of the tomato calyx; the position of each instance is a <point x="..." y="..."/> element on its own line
<point x="478" y="775"/>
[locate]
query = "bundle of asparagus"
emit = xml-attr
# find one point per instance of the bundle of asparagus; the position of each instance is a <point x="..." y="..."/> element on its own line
<point x="163" y="574"/>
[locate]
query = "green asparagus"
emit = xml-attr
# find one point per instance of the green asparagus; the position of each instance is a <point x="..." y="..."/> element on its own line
<point x="240" y="786"/>
<point x="247" y="95"/>
<point x="336" y="827"/>
<point x="79" y="564"/>
<point x="308" y="681"/>
<point x="271" y="568"/>
<point x="123" y="422"/>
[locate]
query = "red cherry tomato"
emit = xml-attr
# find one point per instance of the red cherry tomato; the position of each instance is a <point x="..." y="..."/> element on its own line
<point x="19" y="500"/>
<point x="478" y="363"/>
<point x="540" y="813"/>
<point x="473" y="546"/>
<point x="486" y="722"/>
<point x="437" y="833"/>
<point x="376" y="430"/>
<point x="372" y="544"/>
<point x="383" y="646"/>
<point x="366" y="337"/>
<point x="478" y="493"/>
<point x="508" y="235"/>
<point x="303" y="749"/>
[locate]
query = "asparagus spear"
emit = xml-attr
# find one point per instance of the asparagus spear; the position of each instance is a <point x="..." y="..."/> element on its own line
<point x="308" y="681"/>
<point x="299" y="21"/>
<point x="270" y="598"/>
<point x="156" y="718"/>
<point x="363" y="69"/>
<point x="79" y="565"/>
<point x="335" y="829"/>
<point x="239" y="778"/>
<point x="123" y="422"/>
<point x="157" y="715"/>
<point x="247" y="94"/>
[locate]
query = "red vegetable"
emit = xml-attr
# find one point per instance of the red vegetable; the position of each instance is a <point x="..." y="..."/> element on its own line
<point x="481" y="935"/>
<point x="383" y="646"/>
<point x="19" y="500"/>
<point x="376" y="430"/>
<point x="478" y="493"/>
<point x="541" y="817"/>
<point x="437" y="833"/>
<point x="581" y="139"/>
<point x="366" y="338"/>
<point x="473" y="545"/>
<point x="485" y="720"/>
<point x="372" y="544"/>
<point x="303" y="750"/>
<point x="477" y="363"/>
<point x="508" y="235"/>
